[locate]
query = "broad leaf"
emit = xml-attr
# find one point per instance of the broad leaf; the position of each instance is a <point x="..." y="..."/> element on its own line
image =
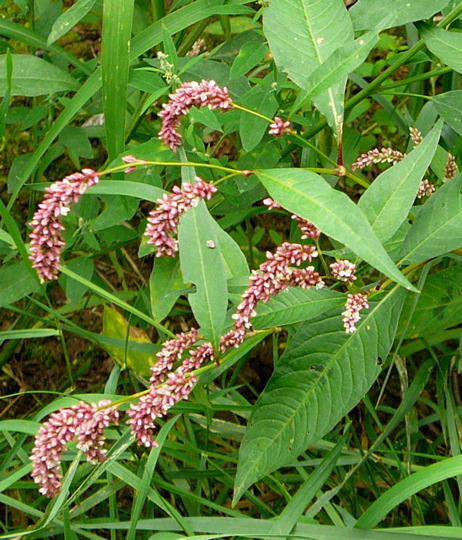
<point x="322" y="375"/>
<point x="16" y="282"/>
<point x="447" y="46"/>
<point x="67" y="20"/>
<point x="234" y="260"/>
<point x="437" y="228"/>
<point x="202" y="264"/>
<point x="250" y="54"/>
<point x="365" y="14"/>
<point x="388" y="200"/>
<point x="302" y="34"/>
<point x="440" y="303"/>
<point x="308" y="195"/>
<point x="33" y="76"/>
<point x="449" y="106"/>
<point x="296" y="305"/>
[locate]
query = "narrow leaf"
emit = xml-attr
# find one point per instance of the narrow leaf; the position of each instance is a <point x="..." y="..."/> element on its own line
<point x="308" y="195"/>
<point x="67" y="20"/>
<point x="322" y="375"/>
<point x="386" y="203"/>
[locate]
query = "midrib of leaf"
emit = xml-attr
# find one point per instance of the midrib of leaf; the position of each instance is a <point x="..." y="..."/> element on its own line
<point x="320" y="60"/>
<point x="326" y="368"/>
<point x="204" y="277"/>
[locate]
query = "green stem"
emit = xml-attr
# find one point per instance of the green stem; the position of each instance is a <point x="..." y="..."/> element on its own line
<point x="416" y="78"/>
<point x="157" y="10"/>
<point x="141" y="163"/>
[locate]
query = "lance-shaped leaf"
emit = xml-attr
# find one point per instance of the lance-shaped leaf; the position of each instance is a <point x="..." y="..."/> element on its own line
<point x="388" y="200"/>
<point x="67" y="20"/>
<point x="308" y="195"/>
<point x="447" y="46"/>
<point x="302" y="34"/>
<point x="437" y="228"/>
<point x="202" y="264"/>
<point x="296" y="305"/>
<point x="323" y="374"/>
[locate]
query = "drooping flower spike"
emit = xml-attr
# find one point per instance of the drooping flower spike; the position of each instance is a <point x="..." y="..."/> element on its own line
<point x="83" y="422"/>
<point x="164" y="219"/>
<point x="189" y="94"/>
<point x="46" y="241"/>
<point x="275" y="275"/>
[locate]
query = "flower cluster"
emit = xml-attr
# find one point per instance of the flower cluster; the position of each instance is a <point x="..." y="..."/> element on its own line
<point x="163" y="220"/>
<point x="167" y="387"/>
<point x="384" y="155"/>
<point x="197" y="47"/>
<point x="354" y="304"/>
<point x="416" y="136"/>
<point x="425" y="189"/>
<point x="190" y="94"/>
<point x="84" y="422"/>
<point x="307" y="228"/>
<point x="274" y="276"/>
<point x="278" y="127"/>
<point x="46" y="241"/>
<point x="450" y="169"/>
<point x="343" y="270"/>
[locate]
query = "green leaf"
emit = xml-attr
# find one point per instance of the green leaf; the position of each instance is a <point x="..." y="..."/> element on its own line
<point x="32" y="333"/>
<point x="449" y="106"/>
<point x="67" y="20"/>
<point x="386" y="203"/>
<point x="404" y="489"/>
<point x="309" y="196"/>
<point x="447" y="46"/>
<point x="202" y="264"/>
<point x="296" y="305"/>
<point x="437" y="228"/>
<point x="365" y="14"/>
<point x="340" y="64"/>
<point x="250" y="54"/>
<point x="165" y="286"/>
<point x="115" y="60"/>
<point x="234" y="260"/>
<point x="302" y="34"/>
<point x="127" y="189"/>
<point x="251" y="127"/>
<point x="322" y="375"/>
<point x="33" y="76"/>
<point x="17" y="282"/>
<point x="440" y="304"/>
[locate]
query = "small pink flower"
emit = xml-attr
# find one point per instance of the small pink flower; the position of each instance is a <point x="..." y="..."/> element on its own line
<point x="82" y="421"/>
<point x="278" y="127"/>
<point x="450" y="170"/>
<point x="129" y="159"/>
<point x="46" y="241"/>
<point x="163" y="220"/>
<point x="272" y="205"/>
<point x="425" y="189"/>
<point x="343" y="270"/>
<point x="354" y="304"/>
<point x="306" y="227"/>
<point x="190" y="94"/>
<point x="416" y="136"/>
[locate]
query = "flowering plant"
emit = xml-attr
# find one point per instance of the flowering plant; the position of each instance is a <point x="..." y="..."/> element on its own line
<point x="239" y="220"/>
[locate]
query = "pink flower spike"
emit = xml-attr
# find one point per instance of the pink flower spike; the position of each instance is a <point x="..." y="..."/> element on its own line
<point x="425" y="189"/>
<point x="354" y="304"/>
<point x="278" y="127"/>
<point x="82" y="421"/>
<point x="46" y="241"/>
<point x="163" y="220"/>
<point x="272" y="205"/>
<point x="190" y="94"/>
<point x="308" y="229"/>
<point x="385" y="155"/>
<point x="343" y="270"/>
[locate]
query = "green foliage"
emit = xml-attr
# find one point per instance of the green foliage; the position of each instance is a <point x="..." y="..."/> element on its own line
<point x="302" y="430"/>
